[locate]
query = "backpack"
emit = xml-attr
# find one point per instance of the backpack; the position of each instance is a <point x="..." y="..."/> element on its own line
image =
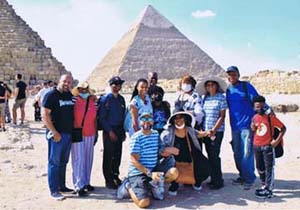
<point x="279" y="148"/>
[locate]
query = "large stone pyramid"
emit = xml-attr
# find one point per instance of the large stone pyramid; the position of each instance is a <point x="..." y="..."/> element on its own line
<point x="23" y="51"/>
<point x="153" y="44"/>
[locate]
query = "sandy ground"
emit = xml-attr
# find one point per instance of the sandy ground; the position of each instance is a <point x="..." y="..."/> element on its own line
<point x="23" y="176"/>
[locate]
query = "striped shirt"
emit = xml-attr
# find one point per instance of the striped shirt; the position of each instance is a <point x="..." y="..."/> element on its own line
<point x="146" y="146"/>
<point x="212" y="106"/>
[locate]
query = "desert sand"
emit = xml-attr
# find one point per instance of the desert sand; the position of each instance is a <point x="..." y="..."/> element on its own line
<point x="23" y="174"/>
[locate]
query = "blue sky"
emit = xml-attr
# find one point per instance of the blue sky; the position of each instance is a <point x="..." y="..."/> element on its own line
<point x="254" y="35"/>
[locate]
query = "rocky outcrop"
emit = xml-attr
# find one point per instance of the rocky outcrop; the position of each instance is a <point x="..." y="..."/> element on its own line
<point x="23" y="51"/>
<point x="275" y="81"/>
<point x="153" y="44"/>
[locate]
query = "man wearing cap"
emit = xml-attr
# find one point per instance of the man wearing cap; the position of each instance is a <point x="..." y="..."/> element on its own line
<point x="144" y="172"/>
<point x="111" y="116"/>
<point x="57" y="112"/>
<point x="239" y="97"/>
<point x="153" y="78"/>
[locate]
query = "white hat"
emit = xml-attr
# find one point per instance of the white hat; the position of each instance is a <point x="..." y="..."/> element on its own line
<point x="188" y="116"/>
<point x="200" y="88"/>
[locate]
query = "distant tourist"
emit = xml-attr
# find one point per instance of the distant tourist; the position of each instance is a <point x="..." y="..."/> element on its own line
<point x="145" y="173"/>
<point x="161" y="110"/>
<point x="240" y="96"/>
<point x="214" y="108"/>
<point x="140" y="102"/>
<point x="153" y="78"/>
<point x="21" y="93"/>
<point x="263" y="125"/>
<point x="3" y="98"/>
<point x="111" y="118"/>
<point x="7" y="110"/>
<point x="47" y="86"/>
<point x="58" y="116"/>
<point x="85" y="112"/>
<point x="37" y="105"/>
<point x="189" y="100"/>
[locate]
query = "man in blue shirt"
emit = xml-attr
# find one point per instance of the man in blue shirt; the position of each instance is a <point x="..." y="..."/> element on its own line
<point x="111" y="117"/>
<point x="239" y="97"/>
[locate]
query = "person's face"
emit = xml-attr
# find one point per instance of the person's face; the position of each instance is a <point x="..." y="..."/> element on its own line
<point x="146" y="122"/>
<point x="211" y="87"/>
<point x="258" y="106"/>
<point x="142" y="88"/>
<point x="83" y="90"/>
<point x="65" y="83"/>
<point x="233" y="77"/>
<point x="152" y="77"/>
<point x="179" y="120"/>
<point x="51" y="84"/>
<point x="116" y="87"/>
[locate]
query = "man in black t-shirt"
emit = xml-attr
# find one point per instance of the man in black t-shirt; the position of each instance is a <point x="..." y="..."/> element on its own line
<point x="58" y="116"/>
<point x="21" y="93"/>
<point x="3" y="98"/>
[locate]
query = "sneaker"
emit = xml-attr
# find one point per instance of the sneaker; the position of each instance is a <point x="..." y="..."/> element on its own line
<point x="247" y="186"/>
<point x="238" y="181"/>
<point x="173" y="189"/>
<point x="122" y="191"/>
<point x="117" y="181"/>
<point x="262" y="188"/>
<point x="57" y="196"/>
<point x="111" y="185"/>
<point x="82" y="193"/>
<point x="263" y="194"/>
<point x="157" y="192"/>
<point x="216" y="186"/>
<point x="89" y="188"/>
<point x="66" y="190"/>
<point x="197" y="187"/>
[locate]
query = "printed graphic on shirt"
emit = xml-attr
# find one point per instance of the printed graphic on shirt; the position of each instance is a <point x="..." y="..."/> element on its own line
<point x="65" y="103"/>
<point x="261" y="129"/>
<point x="159" y="119"/>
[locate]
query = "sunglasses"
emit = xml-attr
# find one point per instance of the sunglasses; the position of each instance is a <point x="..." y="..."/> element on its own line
<point x="145" y="119"/>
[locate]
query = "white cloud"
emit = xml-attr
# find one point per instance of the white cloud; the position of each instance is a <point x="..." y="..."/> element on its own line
<point x="203" y="14"/>
<point x="79" y="32"/>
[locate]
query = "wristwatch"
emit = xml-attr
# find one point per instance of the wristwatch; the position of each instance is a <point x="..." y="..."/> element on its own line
<point x="149" y="174"/>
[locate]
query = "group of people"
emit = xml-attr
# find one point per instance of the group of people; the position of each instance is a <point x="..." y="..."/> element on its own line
<point x="164" y="145"/>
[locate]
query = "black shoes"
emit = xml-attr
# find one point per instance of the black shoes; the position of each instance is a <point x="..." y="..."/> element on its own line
<point x="89" y="188"/>
<point x="263" y="193"/>
<point x="111" y="185"/>
<point x="66" y="190"/>
<point x="117" y="181"/>
<point x="82" y="193"/>
<point x="238" y="181"/>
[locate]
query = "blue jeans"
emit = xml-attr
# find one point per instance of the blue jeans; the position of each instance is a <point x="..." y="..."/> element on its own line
<point x="58" y="157"/>
<point x="242" y="146"/>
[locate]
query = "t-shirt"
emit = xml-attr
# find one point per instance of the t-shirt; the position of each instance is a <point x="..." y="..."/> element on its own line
<point x="22" y="89"/>
<point x="184" y="151"/>
<point x="212" y="105"/>
<point x="41" y="94"/>
<point x="146" y="146"/>
<point x="62" y="107"/>
<point x="262" y="136"/>
<point x="2" y="94"/>
<point x="89" y="128"/>
<point x="240" y="106"/>
<point x="161" y="115"/>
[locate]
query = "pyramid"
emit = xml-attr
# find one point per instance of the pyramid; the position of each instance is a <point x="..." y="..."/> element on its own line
<point x="153" y="43"/>
<point x="23" y="51"/>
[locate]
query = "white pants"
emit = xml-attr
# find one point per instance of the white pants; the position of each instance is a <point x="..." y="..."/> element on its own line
<point x="82" y="161"/>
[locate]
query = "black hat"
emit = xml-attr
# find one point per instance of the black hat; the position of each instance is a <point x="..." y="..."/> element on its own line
<point x="116" y="80"/>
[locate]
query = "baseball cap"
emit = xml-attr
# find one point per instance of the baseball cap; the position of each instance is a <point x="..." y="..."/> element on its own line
<point x="232" y="69"/>
<point x="116" y="80"/>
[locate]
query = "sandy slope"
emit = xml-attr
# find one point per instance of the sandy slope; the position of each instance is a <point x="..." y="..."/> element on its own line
<point x="23" y="177"/>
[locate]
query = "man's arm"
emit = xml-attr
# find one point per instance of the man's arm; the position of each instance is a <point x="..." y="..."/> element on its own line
<point x="16" y="92"/>
<point x="46" y="116"/>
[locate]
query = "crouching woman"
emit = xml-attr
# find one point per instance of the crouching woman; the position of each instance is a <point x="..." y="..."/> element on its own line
<point x="180" y="142"/>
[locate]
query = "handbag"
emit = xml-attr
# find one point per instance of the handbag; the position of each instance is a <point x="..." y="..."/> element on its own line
<point x="77" y="132"/>
<point x="185" y="169"/>
<point x="279" y="148"/>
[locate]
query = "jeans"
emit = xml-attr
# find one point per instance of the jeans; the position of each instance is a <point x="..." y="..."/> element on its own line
<point x="265" y="161"/>
<point x="242" y="146"/>
<point x="58" y="157"/>
<point x="213" y="151"/>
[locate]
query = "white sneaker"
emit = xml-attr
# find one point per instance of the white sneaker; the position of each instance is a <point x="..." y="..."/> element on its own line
<point x="122" y="191"/>
<point x="197" y="188"/>
<point x="57" y="196"/>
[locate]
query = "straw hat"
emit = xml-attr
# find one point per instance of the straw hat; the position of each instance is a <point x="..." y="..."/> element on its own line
<point x="200" y="88"/>
<point x="82" y="85"/>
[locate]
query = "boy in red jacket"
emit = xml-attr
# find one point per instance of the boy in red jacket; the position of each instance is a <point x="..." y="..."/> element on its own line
<point x="264" y="145"/>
